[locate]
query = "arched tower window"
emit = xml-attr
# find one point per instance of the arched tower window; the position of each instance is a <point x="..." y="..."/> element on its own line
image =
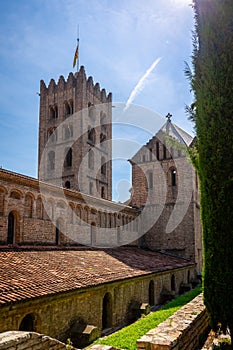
<point x="150" y="180"/>
<point x="51" y="160"/>
<point x="68" y="158"/>
<point x="102" y="192"/>
<point x="53" y="112"/>
<point x="103" y="166"/>
<point x="91" y="188"/>
<point x="91" y="135"/>
<point x="67" y="109"/>
<point x="67" y="132"/>
<point x="91" y="111"/>
<point x="91" y="159"/>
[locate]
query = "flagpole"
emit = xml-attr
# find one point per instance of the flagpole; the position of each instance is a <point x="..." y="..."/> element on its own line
<point x="78" y="47"/>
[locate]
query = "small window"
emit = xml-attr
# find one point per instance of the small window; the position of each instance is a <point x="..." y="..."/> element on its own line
<point x="91" y="111"/>
<point x="157" y="150"/>
<point x="67" y="184"/>
<point x="102" y="192"/>
<point x="151" y="154"/>
<point x="52" y="135"/>
<point x="53" y="112"/>
<point x="90" y="159"/>
<point x="91" y="188"/>
<point x="173" y="175"/>
<point x="103" y="166"/>
<point x="51" y="160"/>
<point x="68" y="159"/>
<point x="150" y="180"/>
<point x="164" y="152"/>
<point x="143" y="158"/>
<point x="91" y="135"/>
<point x="67" y="109"/>
<point x="67" y="132"/>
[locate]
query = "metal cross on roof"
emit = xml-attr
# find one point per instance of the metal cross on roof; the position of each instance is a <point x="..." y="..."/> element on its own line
<point x="168" y="116"/>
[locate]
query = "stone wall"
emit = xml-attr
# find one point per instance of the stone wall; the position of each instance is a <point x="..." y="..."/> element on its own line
<point x="38" y="209"/>
<point x="29" y="341"/>
<point x="105" y="306"/>
<point x="185" y="330"/>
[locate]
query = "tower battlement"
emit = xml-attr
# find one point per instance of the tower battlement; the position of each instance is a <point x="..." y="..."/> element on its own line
<point x="76" y="80"/>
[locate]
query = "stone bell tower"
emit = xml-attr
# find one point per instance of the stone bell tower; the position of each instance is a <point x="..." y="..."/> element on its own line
<point x="75" y="133"/>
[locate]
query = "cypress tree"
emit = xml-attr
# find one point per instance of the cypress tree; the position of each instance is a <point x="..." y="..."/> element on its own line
<point x="212" y="83"/>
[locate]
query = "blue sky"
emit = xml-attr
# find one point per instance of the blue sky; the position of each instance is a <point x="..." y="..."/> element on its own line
<point x="119" y="41"/>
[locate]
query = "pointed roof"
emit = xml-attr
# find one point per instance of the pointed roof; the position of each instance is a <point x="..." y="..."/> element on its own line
<point x="176" y="133"/>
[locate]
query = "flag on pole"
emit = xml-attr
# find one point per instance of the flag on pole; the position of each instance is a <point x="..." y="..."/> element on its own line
<point x="75" y="56"/>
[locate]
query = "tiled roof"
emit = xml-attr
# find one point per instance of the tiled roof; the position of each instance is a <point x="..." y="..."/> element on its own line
<point x="30" y="274"/>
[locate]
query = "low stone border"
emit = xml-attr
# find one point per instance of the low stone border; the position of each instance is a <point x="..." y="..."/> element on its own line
<point x="13" y="340"/>
<point x="184" y="330"/>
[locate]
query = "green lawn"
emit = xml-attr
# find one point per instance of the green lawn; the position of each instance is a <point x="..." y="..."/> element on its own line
<point x="126" y="337"/>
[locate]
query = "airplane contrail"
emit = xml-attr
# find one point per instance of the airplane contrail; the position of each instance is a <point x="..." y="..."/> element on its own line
<point x="141" y="83"/>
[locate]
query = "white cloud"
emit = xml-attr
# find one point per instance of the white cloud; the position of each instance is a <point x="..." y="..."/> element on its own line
<point x="141" y="83"/>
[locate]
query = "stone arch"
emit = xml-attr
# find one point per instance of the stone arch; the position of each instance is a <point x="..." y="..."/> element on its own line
<point x="151" y="293"/>
<point x="28" y="323"/>
<point x="13" y="227"/>
<point x="3" y="193"/>
<point x="107" y="311"/>
<point x="16" y="194"/>
<point x="29" y="205"/>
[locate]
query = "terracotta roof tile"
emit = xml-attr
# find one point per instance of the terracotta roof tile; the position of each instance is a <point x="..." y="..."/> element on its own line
<point x="30" y="274"/>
